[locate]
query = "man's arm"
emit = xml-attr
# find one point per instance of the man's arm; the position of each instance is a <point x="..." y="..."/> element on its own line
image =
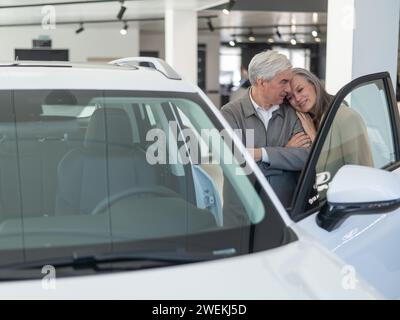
<point x="288" y="158"/>
<point x="228" y="115"/>
<point x="284" y="158"/>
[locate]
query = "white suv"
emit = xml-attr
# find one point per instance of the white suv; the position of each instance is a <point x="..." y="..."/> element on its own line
<point x="123" y="181"/>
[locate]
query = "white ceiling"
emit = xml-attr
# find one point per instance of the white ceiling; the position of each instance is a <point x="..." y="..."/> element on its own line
<point x="147" y="9"/>
<point x="239" y="21"/>
<point x="138" y="9"/>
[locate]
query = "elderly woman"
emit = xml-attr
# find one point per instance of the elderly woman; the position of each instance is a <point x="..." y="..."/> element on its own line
<point x="347" y="141"/>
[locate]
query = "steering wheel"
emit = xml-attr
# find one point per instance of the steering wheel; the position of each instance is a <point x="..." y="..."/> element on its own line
<point x="153" y="189"/>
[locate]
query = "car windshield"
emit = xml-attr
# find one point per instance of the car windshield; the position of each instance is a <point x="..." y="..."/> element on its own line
<point x="114" y="171"/>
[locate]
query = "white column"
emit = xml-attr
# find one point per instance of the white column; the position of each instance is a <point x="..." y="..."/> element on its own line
<point x="362" y="38"/>
<point x="134" y="33"/>
<point x="181" y="42"/>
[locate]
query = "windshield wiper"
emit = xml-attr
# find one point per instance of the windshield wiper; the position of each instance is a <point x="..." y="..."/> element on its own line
<point x="113" y="261"/>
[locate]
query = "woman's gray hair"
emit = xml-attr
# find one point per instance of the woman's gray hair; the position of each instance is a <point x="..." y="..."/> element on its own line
<point x="323" y="98"/>
<point x="266" y="65"/>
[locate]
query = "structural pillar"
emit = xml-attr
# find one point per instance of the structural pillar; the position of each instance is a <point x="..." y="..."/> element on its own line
<point x="181" y="42"/>
<point x="363" y="38"/>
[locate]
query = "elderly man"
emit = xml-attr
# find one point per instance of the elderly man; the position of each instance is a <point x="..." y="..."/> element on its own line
<point x="274" y="123"/>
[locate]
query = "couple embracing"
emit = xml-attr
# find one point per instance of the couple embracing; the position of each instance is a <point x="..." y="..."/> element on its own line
<point x="284" y="106"/>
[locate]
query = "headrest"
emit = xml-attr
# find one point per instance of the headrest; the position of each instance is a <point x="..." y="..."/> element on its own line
<point x="61" y="97"/>
<point x="119" y="130"/>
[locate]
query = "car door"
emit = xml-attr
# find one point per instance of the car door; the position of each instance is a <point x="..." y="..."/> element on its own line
<point x="361" y="128"/>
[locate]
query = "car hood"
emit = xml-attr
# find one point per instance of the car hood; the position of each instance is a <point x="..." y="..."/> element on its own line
<point x="300" y="270"/>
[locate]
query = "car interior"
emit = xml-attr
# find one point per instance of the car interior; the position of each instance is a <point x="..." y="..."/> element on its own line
<point x="74" y="165"/>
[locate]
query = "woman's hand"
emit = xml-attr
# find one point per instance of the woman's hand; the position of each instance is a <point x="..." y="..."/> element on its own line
<point x="299" y="140"/>
<point x="308" y="125"/>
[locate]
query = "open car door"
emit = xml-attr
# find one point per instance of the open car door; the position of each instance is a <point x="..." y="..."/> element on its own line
<point x="353" y="210"/>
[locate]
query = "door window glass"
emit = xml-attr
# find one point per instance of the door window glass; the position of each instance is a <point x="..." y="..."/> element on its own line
<point x="360" y="134"/>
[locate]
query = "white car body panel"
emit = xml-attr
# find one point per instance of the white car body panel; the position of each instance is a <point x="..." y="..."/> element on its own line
<point x="369" y="243"/>
<point x="295" y="271"/>
<point x="80" y="77"/>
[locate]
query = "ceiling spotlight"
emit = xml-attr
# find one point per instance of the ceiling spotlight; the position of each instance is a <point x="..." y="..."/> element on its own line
<point x="293" y="41"/>
<point x="278" y="33"/>
<point x="317" y="39"/>
<point x="271" y="40"/>
<point x="229" y="7"/>
<point x="124" y="30"/>
<point x="80" y="29"/>
<point x="251" y="36"/>
<point x="232" y="43"/>
<point x="210" y="25"/>
<point x="314" y="33"/>
<point x="121" y="11"/>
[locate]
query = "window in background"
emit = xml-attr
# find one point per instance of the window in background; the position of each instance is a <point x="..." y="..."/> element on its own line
<point x="230" y="61"/>
<point x="300" y="57"/>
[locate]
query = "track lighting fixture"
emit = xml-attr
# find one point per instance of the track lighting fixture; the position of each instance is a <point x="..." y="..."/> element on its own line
<point x="124" y="29"/>
<point x="315" y="32"/>
<point x="251" y="36"/>
<point x="229" y="7"/>
<point x="80" y="29"/>
<point x="210" y="25"/>
<point x="277" y="32"/>
<point x="121" y="11"/>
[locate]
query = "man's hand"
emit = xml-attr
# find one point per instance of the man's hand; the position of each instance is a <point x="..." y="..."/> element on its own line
<point x="299" y="140"/>
<point x="256" y="154"/>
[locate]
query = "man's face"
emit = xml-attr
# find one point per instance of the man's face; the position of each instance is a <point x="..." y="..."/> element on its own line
<point x="276" y="89"/>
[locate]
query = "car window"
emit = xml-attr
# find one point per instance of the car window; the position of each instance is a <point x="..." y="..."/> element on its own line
<point x="361" y="134"/>
<point x="139" y="168"/>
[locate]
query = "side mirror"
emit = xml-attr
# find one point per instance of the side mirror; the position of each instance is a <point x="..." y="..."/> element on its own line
<point x="359" y="190"/>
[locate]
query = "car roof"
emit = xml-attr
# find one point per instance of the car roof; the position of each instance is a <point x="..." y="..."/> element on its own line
<point x="65" y="75"/>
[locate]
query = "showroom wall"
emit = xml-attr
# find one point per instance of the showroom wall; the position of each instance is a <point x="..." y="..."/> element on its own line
<point x="91" y="44"/>
<point x="154" y="41"/>
<point x="103" y="44"/>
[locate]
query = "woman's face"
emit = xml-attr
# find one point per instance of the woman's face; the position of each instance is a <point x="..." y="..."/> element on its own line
<point x="302" y="96"/>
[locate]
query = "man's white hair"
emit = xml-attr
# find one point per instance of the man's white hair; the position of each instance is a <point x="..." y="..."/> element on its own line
<point x="266" y="65"/>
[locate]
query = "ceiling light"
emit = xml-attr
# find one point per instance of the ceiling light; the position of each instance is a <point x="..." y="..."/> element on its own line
<point x="317" y="39"/>
<point x="251" y="36"/>
<point x="121" y="11"/>
<point x="80" y="29"/>
<point x="124" y="30"/>
<point x="229" y="7"/>
<point x="271" y="40"/>
<point x="232" y="43"/>
<point x="293" y="41"/>
<point x="210" y="25"/>
<point x="315" y="17"/>
<point x="314" y="33"/>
